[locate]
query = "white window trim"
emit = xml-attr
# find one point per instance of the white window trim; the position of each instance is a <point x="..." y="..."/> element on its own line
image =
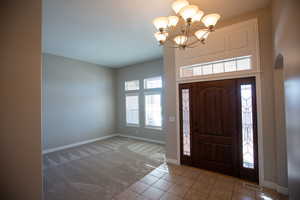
<point x="238" y="73"/>
<point x="133" y="125"/>
<point x="159" y="88"/>
<point x="131" y="90"/>
<point x="139" y="121"/>
<point x="161" y="105"/>
<point x="159" y="128"/>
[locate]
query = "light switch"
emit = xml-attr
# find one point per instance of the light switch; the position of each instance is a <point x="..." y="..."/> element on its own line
<point x="171" y="119"/>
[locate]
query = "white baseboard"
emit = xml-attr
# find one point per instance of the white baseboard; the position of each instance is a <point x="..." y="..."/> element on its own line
<point x="172" y="161"/>
<point x="77" y="144"/>
<point x="276" y="187"/>
<point x="142" y="139"/>
<point x="282" y="190"/>
<point x="269" y="184"/>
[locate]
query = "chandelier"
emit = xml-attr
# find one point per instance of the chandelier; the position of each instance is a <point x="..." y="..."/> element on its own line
<point x="187" y="18"/>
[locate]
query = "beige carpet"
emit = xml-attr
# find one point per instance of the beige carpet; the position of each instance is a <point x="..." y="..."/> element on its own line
<point x="99" y="170"/>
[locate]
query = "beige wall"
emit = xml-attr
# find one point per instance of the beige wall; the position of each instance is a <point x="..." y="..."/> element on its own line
<point x="286" y="29"/>
<point x="268" y="106"/>
<point x="67" y="83"/>
<point x="280" y="127"/>
<point x="20" y="86"/>
<point x="170" y="103"/>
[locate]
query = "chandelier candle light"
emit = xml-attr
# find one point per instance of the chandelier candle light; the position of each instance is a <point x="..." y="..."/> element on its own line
<point x="190" y="15"/>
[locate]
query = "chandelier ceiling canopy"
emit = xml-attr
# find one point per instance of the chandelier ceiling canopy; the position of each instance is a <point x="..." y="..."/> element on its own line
<point x="186" y="19"/>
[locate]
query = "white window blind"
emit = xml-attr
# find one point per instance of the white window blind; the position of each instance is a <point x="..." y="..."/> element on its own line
<point x="132" y="85"/>
<point x="153" y="110"/>
<point x="132" y="109"/>
<point x="153" y="82"/>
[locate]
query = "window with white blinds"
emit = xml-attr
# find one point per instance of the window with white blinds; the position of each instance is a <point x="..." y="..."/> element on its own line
<point x="153" y="110"/>
<point x="132" y="109"/>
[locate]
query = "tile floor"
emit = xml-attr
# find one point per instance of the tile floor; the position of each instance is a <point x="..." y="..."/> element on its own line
<point x="99" y="170"/>
<point x="126" y="169"/>
<point x="172" y="182"/>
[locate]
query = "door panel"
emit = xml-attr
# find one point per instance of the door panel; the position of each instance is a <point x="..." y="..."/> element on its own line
<point x="213" y="132"/>
<point x="215" y="127"/>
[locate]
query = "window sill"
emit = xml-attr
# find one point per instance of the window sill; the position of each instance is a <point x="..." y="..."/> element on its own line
<point x="132" y="125"/>
<point x="154" y="128"/>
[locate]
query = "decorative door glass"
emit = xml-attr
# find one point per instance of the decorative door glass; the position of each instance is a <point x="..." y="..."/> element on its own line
<point x="247" y="126"/>
<point x="186" y="122"/>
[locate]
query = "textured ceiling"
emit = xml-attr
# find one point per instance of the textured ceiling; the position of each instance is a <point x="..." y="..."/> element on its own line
<point x="117" y="33"/>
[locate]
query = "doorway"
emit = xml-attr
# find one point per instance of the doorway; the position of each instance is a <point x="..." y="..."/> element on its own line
<point x="218" y="126"/>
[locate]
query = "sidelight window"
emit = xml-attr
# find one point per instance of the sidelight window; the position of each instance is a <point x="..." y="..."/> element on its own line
<point x="186" y="121"/>
<point x="247" y="126"/>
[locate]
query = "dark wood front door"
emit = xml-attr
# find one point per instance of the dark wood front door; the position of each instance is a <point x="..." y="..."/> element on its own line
<point x="215" y="120"/>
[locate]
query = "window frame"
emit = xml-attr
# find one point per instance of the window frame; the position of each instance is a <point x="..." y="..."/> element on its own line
<point x="139" y="120"/>
<point x="144" y="83"/>
<point x="249" y="173"/>
<point x="183" y="75"/>
<point x="139" y="84"/>
<point x="141" y="93"/>
<point x="153" y="92"/>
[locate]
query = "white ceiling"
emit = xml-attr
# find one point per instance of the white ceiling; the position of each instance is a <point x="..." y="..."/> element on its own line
<point x="117" y="33"/>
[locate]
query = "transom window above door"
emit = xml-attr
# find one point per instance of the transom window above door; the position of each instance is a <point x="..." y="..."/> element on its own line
<point x="217" y="67"/>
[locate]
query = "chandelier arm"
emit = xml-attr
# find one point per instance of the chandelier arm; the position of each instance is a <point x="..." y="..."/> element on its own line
<point x="195" y="42"/>
<point x="191" y="47"/>
<point x="172" y="47"/>
<point x="169" y="46"/>
<point x="168" y="40"/>
<point x="187" y="33"/>
<point x="207" y="32"/>
<point x="182" y="27"/>
<point x="186" y="30"/>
